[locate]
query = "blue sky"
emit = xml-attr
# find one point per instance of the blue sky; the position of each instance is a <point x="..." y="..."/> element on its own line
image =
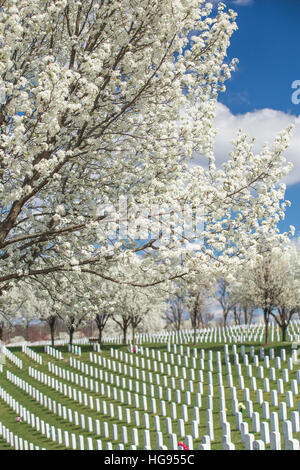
<point x="259" y="94"/>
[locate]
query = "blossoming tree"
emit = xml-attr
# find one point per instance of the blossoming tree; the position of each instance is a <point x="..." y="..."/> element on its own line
<point x="138" y="309"/>
<point x="104" y="100"/>
<point x="272" y="283"/>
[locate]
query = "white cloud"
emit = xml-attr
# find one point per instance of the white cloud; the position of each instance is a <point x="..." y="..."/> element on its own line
<point x="262" y="124"/>
<point x="240" y="3"/>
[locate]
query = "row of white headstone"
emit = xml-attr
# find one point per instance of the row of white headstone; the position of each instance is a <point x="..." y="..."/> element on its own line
<point x="12" y="357"/>
<point x="138" y="404"/>
<point x="89" y="370"/>
<point x="226" y="444"/>
<point x="53" y="352"/>
<point x="32" y="354"/>
<point x="62" y="437"/>
<point x="229" y="334"/>
<point x="97" y="347"/>
<point x="182" y="356"/>
<point x="111" y="365"/>
<point x="14" y="441"/>
<point x="110" y="377"/>
<point x="236" y="361"/>
<point x="272" y="438"/>
<point x="289" y="395"/>
<point x="94" y="386"/>
<point x="74" y="349"/>
<point x="50" y="432"/>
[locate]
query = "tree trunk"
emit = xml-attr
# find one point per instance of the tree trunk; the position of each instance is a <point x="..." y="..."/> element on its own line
<point x="125" y="336"/>
<point x="52" y="330"/>
<point x="71" y="333"/>
<point x="225" y="318"/>
<point x="52" y="324"/>
<point x="267" y="333"/>
<point x="99" y="323"/>
<point x="133" y="336"/>
<point x="246" y="315"/>
<point x="235" y="316"/>
<point x="27" y="332"/>
<point x="100" y="335"/>
<point x="284" y="330"/>
<point x="266" y="318"/>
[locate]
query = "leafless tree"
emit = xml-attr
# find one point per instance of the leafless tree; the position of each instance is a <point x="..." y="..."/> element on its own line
<point x="51" y="322"/>
<point x="123" y="321"/>
<point x="224" y="298"/>
<point x="175" y="316"/>
<point x="101" y="320"/>
<point x="198" y="308"/>
<point x="271" y="284"/>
